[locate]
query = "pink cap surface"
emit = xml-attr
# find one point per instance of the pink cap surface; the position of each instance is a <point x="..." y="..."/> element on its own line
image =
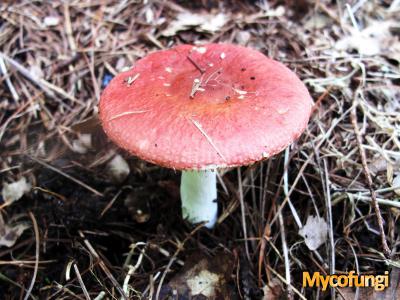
<point x="242" y="107"/>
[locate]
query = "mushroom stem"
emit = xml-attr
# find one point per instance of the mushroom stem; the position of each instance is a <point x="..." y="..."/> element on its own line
<point x="198" y="196"/>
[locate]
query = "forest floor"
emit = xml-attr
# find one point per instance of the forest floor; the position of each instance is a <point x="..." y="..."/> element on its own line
<point x="69" y="229"/>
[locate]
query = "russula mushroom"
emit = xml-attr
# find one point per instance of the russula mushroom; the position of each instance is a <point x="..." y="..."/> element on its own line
<point x="200" y="108"/>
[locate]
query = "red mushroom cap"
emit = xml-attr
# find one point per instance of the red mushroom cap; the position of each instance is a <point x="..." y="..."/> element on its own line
<point x="202" y="107"/>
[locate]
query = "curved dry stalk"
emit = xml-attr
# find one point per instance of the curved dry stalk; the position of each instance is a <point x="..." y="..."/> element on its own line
<point x="374" y="202"/>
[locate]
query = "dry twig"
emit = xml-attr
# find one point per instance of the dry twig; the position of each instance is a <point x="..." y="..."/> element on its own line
<point x="374" y="202"/>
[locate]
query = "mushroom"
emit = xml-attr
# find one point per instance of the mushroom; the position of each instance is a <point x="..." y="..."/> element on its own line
<point x="200" y="108"/>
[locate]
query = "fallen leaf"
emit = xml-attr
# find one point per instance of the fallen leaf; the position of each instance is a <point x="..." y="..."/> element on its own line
<point x="14" y="191"/>
<point x="266" y="12"/>
<point x="314" y="232"/>
<point x="118" y="169"/>
<point x="273" y="290"/>
<point x="200" y="22"/>
<point x="378" y="165"/>
<point x="149" y="15"/>
<point x="317" y="21"/>
<point x="50" y="21"/>
<point x="36" y="71"/>
<point x="82" y="144"/>
<point x="202" y="278"/>
<point x="373" y="40"/>
<point x="90" y="125"/>
<point x="10" y="234"/>
<point x="242" y="37"/>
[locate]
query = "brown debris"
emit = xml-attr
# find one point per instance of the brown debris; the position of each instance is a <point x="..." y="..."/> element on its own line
<point x="55" y="59"/>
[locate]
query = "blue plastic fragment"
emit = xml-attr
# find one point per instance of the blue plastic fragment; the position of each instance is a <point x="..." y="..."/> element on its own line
<point x="106" y="79"/>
